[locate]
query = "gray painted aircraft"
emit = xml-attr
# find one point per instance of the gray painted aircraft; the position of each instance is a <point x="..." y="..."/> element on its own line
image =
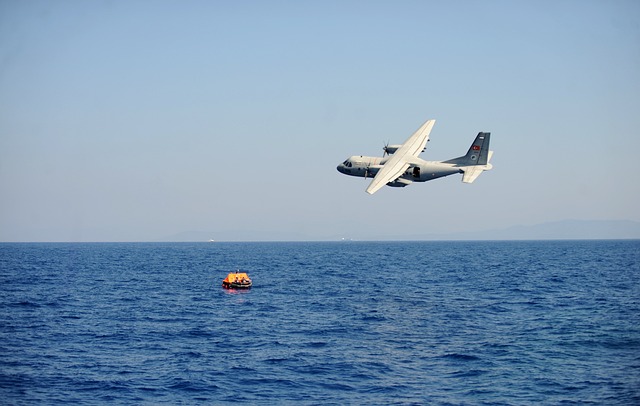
<point x="400" y="166"/>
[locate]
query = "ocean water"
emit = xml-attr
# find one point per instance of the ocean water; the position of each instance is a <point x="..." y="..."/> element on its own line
<point x="513" y="323"/>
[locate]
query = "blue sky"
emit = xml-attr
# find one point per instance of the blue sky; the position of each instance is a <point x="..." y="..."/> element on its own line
<point x="138" y="120"/>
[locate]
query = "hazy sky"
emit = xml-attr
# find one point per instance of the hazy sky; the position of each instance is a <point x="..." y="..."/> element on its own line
<point x="137" y="120"/>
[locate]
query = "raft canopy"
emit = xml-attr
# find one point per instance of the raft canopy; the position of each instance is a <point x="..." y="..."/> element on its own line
<point x="236" y="277"/>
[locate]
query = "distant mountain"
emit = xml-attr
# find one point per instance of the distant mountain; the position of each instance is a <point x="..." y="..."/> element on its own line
<point x="239" y="235"/>
<point x="558" y="230"/>
<point x="574" y="230"/>
<point x="189" y="236"/>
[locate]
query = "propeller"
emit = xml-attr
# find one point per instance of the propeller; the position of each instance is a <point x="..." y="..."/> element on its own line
<point x="385" y="149"/>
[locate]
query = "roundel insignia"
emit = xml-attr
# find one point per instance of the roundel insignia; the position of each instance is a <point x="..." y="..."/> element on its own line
<point x="473" y="157"/>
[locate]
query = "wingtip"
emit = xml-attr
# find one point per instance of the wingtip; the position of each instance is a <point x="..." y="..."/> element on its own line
<point x="371" y="190"/>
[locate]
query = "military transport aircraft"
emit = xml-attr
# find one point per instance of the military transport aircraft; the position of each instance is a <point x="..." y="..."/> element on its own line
<point x="400" y="166"/>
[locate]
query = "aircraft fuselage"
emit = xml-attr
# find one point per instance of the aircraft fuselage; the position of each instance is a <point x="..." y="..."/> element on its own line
<point x="420" y="171"/>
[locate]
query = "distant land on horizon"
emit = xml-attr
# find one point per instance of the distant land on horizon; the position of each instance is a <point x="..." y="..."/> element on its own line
<point x="558" y="230"/>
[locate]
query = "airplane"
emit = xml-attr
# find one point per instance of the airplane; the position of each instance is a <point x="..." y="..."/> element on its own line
<point x="400" y="166"/>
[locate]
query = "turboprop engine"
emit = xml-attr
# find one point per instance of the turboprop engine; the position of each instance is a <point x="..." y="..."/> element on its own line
<point x="390" y="149"/>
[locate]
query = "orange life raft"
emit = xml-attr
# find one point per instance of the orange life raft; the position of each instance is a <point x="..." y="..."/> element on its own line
<point x="237" y="280"/>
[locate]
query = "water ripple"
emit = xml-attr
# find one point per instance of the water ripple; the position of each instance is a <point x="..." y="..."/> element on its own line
<point x="426" y="323"/>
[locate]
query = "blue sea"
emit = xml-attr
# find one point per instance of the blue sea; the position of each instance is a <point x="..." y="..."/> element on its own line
<point x="380" y="323"/>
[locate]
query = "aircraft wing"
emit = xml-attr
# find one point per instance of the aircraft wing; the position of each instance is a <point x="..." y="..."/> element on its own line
<point x="395" y="166"/>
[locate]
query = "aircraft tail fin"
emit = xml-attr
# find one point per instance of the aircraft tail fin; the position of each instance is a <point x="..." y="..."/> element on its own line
<point x="477" y="158"/>
<point x="478" y="153"/>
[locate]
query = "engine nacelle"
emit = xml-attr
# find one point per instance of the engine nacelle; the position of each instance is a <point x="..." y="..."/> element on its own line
<point x="400" y="182"/>
<point x="390" y="149"/>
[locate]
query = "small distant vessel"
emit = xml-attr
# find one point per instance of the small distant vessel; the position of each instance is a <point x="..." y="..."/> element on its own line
<point x="237" y="280"/>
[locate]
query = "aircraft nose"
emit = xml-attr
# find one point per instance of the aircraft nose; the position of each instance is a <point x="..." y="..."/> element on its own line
<point x="340" y="169"/>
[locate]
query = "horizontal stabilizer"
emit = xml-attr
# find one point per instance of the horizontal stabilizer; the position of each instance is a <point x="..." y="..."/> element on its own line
<point x="471" y="173"/>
